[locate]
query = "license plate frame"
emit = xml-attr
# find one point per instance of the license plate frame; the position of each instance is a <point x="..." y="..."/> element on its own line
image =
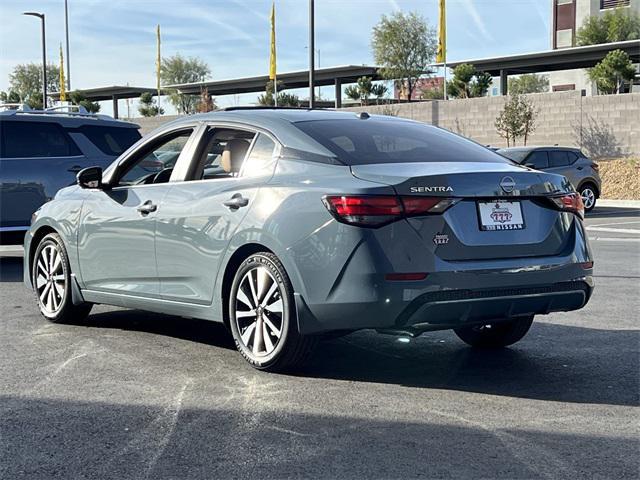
<point x="499" y="215"/>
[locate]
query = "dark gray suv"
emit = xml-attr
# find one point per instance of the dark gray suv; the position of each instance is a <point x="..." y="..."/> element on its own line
<point x="570" y="162"/>
<point x="42" y="151"/>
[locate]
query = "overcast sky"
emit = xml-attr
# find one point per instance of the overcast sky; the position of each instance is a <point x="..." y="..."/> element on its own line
<point x="113" y="41"/>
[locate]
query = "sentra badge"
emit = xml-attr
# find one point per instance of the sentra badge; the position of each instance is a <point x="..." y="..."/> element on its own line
<point x="424" y="189"/>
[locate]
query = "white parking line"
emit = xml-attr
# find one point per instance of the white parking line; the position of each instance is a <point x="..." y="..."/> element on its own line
<point x="614" y="239"/>
<point x="613" y="223"/>
<point x="614" y="230"/>
<point x="11" y="249"/>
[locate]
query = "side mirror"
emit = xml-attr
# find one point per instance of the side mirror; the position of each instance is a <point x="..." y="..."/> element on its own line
<point x="530" y="165"/>
<point x="90" y="177"/>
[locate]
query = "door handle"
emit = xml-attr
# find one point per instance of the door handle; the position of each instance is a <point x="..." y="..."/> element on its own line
<point x="75" y="169"/>
<point x="236" y="202"/>
<point x="147" y="207"/>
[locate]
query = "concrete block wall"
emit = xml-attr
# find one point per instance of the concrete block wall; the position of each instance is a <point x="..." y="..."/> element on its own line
<point x="603" y="126"/>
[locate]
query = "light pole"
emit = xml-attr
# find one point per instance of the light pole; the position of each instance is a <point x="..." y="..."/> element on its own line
<point x="66" y="33"/>
<point x="312" y="50"/>
<point x="319" y="66"/>
<point x="44" y="57"/>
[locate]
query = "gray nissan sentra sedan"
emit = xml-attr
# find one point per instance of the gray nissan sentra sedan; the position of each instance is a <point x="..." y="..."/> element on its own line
<point x="293" y="225"/>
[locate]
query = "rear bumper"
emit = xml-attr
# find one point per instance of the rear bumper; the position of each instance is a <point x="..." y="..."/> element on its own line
<point x="404" y="305"/>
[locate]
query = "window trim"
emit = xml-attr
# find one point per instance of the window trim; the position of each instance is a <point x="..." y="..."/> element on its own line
<point x="114" y="169"/>
<point x="63" y="130"/>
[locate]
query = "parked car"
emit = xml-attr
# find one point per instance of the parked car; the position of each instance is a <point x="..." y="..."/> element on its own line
<point x="570" y="162"/>
<point x="289" y="225"/>
<point x="41" y="151"/>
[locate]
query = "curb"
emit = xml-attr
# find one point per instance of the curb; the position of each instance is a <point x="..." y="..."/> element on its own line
<point x="617" y="203"/>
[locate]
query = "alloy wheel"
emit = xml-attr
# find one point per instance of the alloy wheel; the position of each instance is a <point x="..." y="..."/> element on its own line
<point x="588" y="197"/>
<point x="259" y="311"/>
<point x="51" y="280"/>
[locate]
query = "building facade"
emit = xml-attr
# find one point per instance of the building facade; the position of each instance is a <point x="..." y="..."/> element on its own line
<point x="567" y="16"/>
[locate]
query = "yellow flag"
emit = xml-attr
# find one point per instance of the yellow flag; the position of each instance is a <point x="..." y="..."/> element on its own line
<point x="158" y="61"/>
<point x="272" y="55"/>
<point x="441" y="56"/>
<point x="63" y="91"/>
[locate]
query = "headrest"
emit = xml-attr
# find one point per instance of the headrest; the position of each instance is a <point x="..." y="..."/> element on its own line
<point x="233" y="154"/>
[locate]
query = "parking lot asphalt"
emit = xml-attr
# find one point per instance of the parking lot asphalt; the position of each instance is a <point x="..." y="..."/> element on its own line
<point x="130" y="395"/>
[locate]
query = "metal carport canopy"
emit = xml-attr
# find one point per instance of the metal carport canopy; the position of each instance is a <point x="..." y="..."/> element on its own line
<point x="550" y="60"/>
<point x="113" y="93"/>
<point x="300" y="79"/>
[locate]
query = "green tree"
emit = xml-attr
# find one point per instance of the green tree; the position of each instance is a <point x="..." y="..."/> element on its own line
<point x="284" y="99"/>
<point x="468" y="82"/>
<point x="612" y="72"/>
<point x="353" y="92"/>
<point x="148" y="107"/>
<point x="517" y="119"/>
<point x="529" y="83"/>
<point x="364" y="89"/>
<point x="379" y="90"/>
<point x="177" y="70"/>
<point x="206" y="102"/>
<point x="403" y="45"/>
<point x="614" y="26"/>
<point x="77" y="97"/>
<point x="25" y="83"/>
<point x="9" y="97"/>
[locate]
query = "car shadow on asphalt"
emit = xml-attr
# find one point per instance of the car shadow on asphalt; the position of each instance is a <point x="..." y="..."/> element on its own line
<point x="554" y="362"/>
<point x="60" y="438"/>
<point x="200" y="331"/>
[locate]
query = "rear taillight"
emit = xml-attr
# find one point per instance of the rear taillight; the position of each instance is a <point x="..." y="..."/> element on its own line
<point x="378" y="210"/>
<point x="570" y="203"/>
<point x="595" y="166"/>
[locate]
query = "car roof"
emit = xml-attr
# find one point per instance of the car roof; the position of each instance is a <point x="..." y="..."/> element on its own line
<point x="65" y="119"/>
<point x="538" y="147"/>
<point x="280" y="122"/>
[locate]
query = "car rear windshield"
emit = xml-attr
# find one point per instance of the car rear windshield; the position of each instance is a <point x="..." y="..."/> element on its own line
<point x="365" y="141"/>
<point x="110" y="140"/>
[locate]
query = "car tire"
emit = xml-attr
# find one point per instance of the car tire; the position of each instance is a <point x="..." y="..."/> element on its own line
<point x="262" y="316"/>
<point x="495" y="335"/>
<point x="51" y="275"/>
<point x="589" y="196"/>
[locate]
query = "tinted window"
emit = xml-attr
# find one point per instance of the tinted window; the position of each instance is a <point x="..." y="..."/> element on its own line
<point x="538" y="160"/>
<point x="260" y="160"/>
<point x="36" y="139"/>
<point x="558" y="158"/>
<point x="358" y="142"/>
<point x="515" y="155"/>
<point x="110" y="140"/>
<point x="573" y="157"/>
<point x="154" y="159"/>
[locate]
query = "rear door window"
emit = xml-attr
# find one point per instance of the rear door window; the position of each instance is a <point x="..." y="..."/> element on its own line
<point x="558" y="158"/>
<point x="260" y="161"/>
<point x="35" y="139"/>
<point x="538" y="160"/>
<point x="375" y="140"/>
<point x="110" y="140"/>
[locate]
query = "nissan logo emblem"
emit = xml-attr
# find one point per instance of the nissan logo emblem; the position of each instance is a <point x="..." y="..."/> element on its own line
<point x="507" y="184"/>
